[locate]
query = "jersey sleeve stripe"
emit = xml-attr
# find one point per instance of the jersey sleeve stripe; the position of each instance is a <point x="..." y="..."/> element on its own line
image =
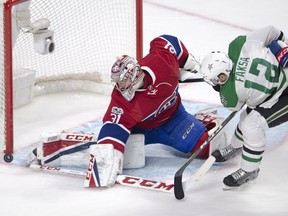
<point x="116" y="143"/>
<point x="119" y="125"/>
<point x="113" y="134"/>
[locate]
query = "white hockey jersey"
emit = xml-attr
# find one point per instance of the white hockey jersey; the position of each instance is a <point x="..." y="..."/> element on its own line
<point x="256" y="78"/>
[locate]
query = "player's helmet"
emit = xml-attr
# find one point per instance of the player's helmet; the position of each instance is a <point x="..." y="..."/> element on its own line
<point x="127" y="76"/>
<point x="214" y="64"/>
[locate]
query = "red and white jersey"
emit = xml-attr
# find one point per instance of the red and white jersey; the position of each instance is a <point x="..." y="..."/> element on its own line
<point x="153" y="105"/>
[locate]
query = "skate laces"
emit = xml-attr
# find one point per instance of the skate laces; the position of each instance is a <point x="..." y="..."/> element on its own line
<point x="239" y="174"/>
<point x="227" y="151"/>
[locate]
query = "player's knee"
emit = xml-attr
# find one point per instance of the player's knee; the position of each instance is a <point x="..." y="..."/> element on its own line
<point x="253" y="128"/>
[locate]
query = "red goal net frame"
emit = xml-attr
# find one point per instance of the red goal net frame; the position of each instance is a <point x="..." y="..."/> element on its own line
<point x="7" y="67"/>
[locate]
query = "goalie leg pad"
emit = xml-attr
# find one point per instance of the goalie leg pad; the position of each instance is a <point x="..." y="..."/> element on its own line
<point x="134" y="155"/>
<point x="72" y="150"/>
<point x="49" y="147"/>
<point x="64" y="149"/>
<point x="104" y="165"/>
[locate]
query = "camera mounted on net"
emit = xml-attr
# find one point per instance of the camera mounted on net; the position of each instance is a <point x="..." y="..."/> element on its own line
<point x="43" y="36"/>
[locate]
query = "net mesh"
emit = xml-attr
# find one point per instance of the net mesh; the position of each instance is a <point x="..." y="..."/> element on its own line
<point x="88" y="37"/>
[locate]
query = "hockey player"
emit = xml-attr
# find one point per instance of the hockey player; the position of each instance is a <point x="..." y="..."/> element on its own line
<point x="146" y="100"/>
<point x="253" y="73"/>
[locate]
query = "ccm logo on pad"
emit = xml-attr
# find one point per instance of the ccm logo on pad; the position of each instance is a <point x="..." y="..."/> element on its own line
<point x="79" y="137"/>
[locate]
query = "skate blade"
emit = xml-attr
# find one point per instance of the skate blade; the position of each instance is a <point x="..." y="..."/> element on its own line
<point x="239" y="188"/>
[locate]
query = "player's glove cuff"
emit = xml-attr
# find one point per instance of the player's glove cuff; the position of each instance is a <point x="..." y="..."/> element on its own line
<point x="280" y="51"/>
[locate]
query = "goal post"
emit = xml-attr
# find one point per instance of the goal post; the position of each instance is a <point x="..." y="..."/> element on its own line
<point x="62" y="45"/>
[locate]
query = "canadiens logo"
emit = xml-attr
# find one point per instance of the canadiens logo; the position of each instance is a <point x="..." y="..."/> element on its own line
<point x="223" y="100"/>
<point x="152" y="92"/>
<point x="117" y="110"/>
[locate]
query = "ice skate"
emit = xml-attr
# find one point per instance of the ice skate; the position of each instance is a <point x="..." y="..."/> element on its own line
<point x="239" y="178"/>
<point x="32" y="158"/>
<point x="226" y="153"/>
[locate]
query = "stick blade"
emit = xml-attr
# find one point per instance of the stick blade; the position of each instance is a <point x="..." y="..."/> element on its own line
<point x="178" y="187"/>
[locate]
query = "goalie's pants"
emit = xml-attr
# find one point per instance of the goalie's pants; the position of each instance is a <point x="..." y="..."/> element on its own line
<point x="182" y="131"/>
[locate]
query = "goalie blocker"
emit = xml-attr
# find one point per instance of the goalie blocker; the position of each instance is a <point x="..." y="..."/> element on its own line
<point x="79" y="151"/>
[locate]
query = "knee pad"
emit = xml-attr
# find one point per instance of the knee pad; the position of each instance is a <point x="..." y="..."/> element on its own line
<point x="253" y="128"/>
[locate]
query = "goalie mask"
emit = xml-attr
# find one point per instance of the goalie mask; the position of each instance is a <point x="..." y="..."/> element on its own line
<point x="127" y="76"/>
<point x="213" y="66"/>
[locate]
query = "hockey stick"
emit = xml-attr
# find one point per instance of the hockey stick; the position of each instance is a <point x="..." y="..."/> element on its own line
<point x="178" y="185"/>
<point x="192" y="80"/>
<point x="131" y="181"/>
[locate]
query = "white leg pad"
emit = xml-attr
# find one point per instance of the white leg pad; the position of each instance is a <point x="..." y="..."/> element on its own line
<point x="134" y="155"/>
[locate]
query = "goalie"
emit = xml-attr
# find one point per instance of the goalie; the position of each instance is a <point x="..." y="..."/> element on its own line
<point x="145" y="100"/>
<point x="71" y="150"/>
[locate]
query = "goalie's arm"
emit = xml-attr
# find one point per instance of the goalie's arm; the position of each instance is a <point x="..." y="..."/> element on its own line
<point x="187" y="62"/>
<point x="115" y="134"/>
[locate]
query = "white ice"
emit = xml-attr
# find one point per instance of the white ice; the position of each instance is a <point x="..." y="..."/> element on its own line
<point x="203" y="25"/>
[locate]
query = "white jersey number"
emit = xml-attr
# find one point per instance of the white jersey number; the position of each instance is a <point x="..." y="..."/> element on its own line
<point x="263" y="76"/>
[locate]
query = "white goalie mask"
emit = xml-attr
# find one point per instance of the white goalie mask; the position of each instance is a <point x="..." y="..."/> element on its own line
<point x="127" y="76"/>
<point x="214" y="64"/>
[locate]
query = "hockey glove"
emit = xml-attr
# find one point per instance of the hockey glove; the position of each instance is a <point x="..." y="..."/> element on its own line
<point x="104" y="165"/>
<point x="280" y="51"/>
<point x="212" y="121"/>
<point x="190" y="69"/>
<point x="191" y="64"/>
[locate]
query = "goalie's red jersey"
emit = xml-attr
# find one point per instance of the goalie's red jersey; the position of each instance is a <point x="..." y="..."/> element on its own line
<point x="153" y="105"/>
